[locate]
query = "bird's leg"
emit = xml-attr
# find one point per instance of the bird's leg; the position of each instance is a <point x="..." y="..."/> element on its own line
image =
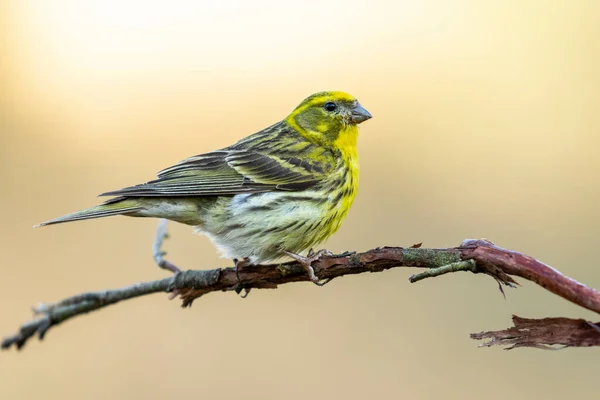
<point x="239" y="265"/>
<point x="308" y="260"/>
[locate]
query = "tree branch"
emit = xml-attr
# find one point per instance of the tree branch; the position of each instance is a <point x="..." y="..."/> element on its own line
<point x="476" y="256"/>
<point x="544" y="333"/>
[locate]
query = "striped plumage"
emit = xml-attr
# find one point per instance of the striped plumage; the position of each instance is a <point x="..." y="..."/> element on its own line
<point x="285" y="188"/>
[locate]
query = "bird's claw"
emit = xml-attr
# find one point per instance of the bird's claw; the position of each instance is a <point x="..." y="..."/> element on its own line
<point x="239" y="288"/>
<point x="323" y="282"/>
<point x="307" y="261"/>
<point x="239" y="265"/>
<point x="323" y="252"/>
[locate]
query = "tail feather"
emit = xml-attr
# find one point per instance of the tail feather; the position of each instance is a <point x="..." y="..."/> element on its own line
<point x="102" y="210"/>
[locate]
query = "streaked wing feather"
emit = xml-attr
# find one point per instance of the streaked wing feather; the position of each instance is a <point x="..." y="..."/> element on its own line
<point x="228" y="172"/>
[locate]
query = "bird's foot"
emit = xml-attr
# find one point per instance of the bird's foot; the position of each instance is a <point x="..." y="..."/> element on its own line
<point x="239" y="265"/>
<point x="307" y="261"/>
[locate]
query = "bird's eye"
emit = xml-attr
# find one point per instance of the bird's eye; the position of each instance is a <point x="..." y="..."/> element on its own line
<point x="330" y="106"/>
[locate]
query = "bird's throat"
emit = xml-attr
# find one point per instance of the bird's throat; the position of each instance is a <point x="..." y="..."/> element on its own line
<point x="346" y="142"/>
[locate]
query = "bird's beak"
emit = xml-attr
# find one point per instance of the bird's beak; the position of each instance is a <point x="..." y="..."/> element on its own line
<point x="359" y="114"/>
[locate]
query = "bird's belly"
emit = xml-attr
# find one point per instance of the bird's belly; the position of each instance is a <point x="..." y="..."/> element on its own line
<point x="261" y="226"/>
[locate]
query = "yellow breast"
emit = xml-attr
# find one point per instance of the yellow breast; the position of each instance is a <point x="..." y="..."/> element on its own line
<point x="344" y="182"/>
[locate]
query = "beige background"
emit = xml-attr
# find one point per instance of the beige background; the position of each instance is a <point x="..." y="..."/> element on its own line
<point x="486" y="124"/>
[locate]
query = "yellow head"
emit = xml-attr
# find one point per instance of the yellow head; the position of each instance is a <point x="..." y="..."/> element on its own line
<point x="328" y="117"/>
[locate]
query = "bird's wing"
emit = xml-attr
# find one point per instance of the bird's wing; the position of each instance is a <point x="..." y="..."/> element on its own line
<point x="228" y="172"/>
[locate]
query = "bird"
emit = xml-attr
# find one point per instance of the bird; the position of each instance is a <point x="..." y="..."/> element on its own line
<point x="275" y="193"/>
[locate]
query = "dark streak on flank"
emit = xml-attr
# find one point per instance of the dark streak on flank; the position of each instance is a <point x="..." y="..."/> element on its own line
<point x="288" y="226"/>
<point x="234" y="226"/>
<point x="311" y="199"/>
<point x="270" y="230"/>
<point x="259" y="208"/>
<point x="338" y="197"/>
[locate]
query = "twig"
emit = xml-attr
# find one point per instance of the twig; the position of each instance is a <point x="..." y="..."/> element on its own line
<point x="159" y="255"/>
<point x="53" y="314"/>
<point x="468" y="265"/>
<point x="477" y="256"/>
<point x="543" y="333"/>
<point x="493" y="259"/>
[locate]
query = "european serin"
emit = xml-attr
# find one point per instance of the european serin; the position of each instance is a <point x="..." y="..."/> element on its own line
<point x="277" y="192"/>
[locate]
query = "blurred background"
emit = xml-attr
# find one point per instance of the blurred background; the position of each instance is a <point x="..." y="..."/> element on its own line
<point x="485" y="124"/>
